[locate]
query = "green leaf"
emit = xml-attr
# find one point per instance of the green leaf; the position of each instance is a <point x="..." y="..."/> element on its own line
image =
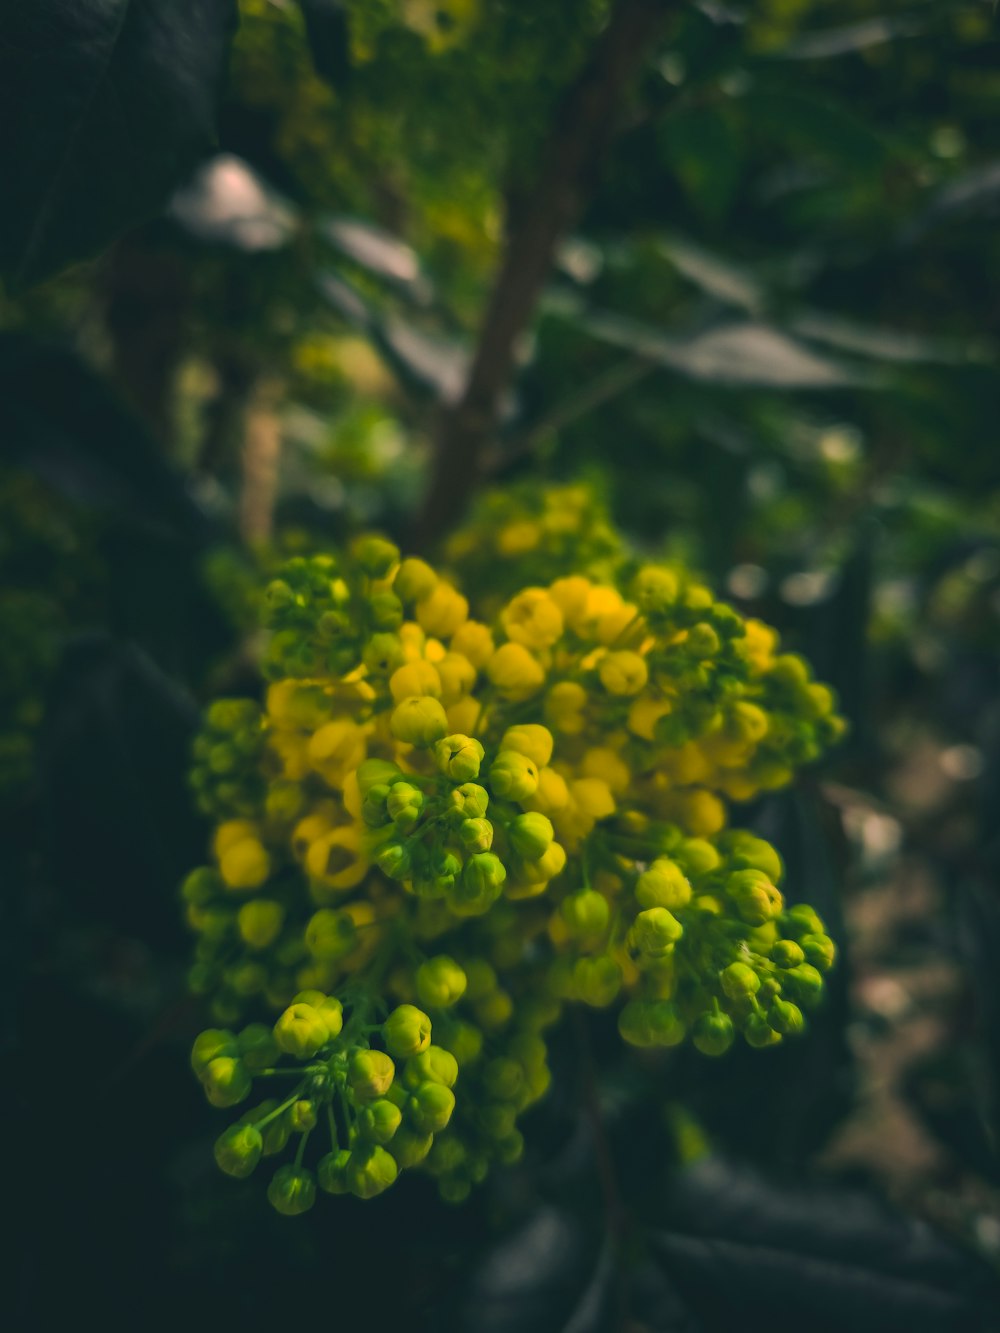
<point x="106" y="105"/>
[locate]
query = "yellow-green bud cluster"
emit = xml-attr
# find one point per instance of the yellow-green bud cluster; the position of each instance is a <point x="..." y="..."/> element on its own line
<point x="457" y="827"/>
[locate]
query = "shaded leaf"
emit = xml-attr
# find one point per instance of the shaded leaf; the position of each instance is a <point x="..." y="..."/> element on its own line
<point x="107" y="104"/>
<point x="425" y="365"/>
<point x="378" y="251"/>
<point x="851" y="37"/>
<point x="738" y="1248"/>
<point x="746" y="353"/>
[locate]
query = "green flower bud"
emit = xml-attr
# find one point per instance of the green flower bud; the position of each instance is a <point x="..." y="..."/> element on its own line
<point x="394" y="860"/>
<point x="758" y="1032"/>
<point x="435" y="1065"/>
<point x="713" y="1033"/>
<point x="209" y="1045"/>
<point x="586" y="913"/>
<point x="801" y="920"/>
<point x="749" y="853"/>
<point x="738" y="981"/>
<point x="459" y="757"/>
<point x="382" y="654"/>
<point x="663" y="884"/>
<point x="510" y="1149"/>
<point x="330" y="935"/>
<point x="238" y="1150"/>
<point x="454" y="1190"/>
<point x="503" y="1079"/>
<point x="377" y="773"/>
<point x="756" y="898"/>
<point x="370" y="1074"/>
<point x="260" y="922"/>
<point x="331" y="1171"/>
<point x="409" y="1148"/>
<point x="370" y="1171"/>
<point x="805" y="983"/>
<point x="470" y="800"/>
<point x="786" y="953"/>
<point x="820" y="950"/>
<point x="597" y="981"/>
<point x="386" y="610"/>
<point x="429" y="1108"/>
<point x="301" y="1031"/>
<point x="414" y="580"/>
<point x="227" y="1081"/>
<point x="656" y="589"/>
<point x="419" y="721"/>
<point x="440" y="982"/>
<point x="785" y="1017"/>
<point x="696" y="856"/>
<point x="476" y="835"/>
<point x="379" y="1121"/>
<point x="375" y="555"/>
<point x="480" y="885"/>
<point x="513" y="776"/>
<point x="655" y="931"/>
<point x="302" y="1116"/>
<point x="531" y="835"/>
<point x="257" y="1046"/>
<point x="201" y="886"/>
<point x="466" y="1043"/>
<point x="292" y="1190"/>
<point x="374" y="807"/>
<point x="406" y="1032"/>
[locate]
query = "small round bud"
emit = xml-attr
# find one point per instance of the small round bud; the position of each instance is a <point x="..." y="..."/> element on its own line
<point x="655" y="589"/>
<point x="414" y="580"/>
<point x="440" y="982"/>
<point x="409" y="1148"/>
<point x="470" y="800"/>
<point x="406" y="1031"/>
<point x="758" y="1032"/>
<point x="435" y="1065"/>
<point x="292" y="1190"/>
<point x="786" y="953"/>
<point x="530" y="739"/>
<point x="429" y="1108"/>
<point x="370" y="1074"/>
<point x="301" y="1031"/>
<point x="259" y="923"/>
<point x="331" y="1172"/>
<point x="531" y="835"/>
<point x="419" y="721"/>
<point x="805" y="983"/>
<point x="376" y="772"/>
<point x="211" y="1044"/>
<point x="370" y="1171"/>
<point x="820" y="951"/>
<point x="459" y="757"/>
<point x="655" y="931"/>
<point x="586" y="913"/>
<point x="785" y="1017"/>
<point x="394" y="860"/>
<point x="663" y="884"/>
<point x="756" y="898"/>
<point x="623" y="673"/>
<point x="513" y="776"/>
<point x="739" y="980"/>
<point x="227" y="1081"/>
<point x="476" y="835"/>
<point x="713" y="1033"/>
<point x="238" y="1150"/>
<point x="375" y="555"/>
<point x="302" y="1116"/>
<point x="379" y="1121"/>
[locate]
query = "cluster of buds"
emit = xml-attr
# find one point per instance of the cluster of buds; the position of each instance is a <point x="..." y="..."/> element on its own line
<point x="462" y="826"/>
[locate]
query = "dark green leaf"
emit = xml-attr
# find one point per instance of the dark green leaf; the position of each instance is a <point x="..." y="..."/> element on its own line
<point x="106" y="105"/>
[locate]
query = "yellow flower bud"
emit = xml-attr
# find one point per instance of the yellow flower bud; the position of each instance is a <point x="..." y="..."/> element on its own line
<point x="531" y="740"/>
<point x="260" y="922"/>
<point x="414" y="581"/>
<point x="413" y="679"/>
<point x="570" y="595"/>
<point x="336" y="860"/>
<point x="663" y="884"/>
<point x="245" y="864"/>
<point x="623" y="673"/>
<point x="336" y="750"/>
<point x="419" y="721"/>
<point x="442" y="611"/>
<point x="551" y="794"/>
<point x="458" y="677"/>
<point x="533" y="619"/>
<point x="608" y="765"/>
<point x="593" y="796"/>
<point x="515" y="673"/>
<point x="564" y="705"/>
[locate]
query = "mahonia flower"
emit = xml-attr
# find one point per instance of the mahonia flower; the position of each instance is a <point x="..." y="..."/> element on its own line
<point x="435" y="832"/>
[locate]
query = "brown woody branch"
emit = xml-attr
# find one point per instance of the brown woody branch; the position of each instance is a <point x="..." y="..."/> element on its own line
<point x="570" y="163"/>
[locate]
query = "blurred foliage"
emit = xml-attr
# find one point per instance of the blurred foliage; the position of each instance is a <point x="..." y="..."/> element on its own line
<point x="770" y="348"/>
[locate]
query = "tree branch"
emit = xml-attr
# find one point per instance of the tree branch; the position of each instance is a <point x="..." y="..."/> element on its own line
<point x="568" y="172"/>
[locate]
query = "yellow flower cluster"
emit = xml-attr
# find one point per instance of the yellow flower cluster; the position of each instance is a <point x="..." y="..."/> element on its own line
<point x="487" y="820"/>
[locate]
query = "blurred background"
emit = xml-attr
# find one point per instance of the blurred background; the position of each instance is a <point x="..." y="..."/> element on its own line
<point x="277" y="271"/>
